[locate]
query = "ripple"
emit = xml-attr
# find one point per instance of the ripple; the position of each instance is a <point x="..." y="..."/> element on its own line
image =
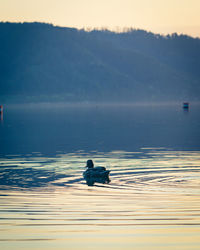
<point x="156" y="191"/>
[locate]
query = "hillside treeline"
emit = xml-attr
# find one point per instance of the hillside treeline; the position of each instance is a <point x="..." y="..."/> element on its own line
<point x="42" y="62"/>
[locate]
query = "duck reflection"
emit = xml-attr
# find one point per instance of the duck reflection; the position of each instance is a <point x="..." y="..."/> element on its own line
<point x="95" y="174"/>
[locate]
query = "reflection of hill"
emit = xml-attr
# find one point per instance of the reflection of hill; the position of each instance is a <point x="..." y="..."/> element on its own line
<point x="41" y="62"/>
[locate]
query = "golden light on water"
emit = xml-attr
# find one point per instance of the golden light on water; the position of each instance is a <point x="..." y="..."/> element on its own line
<point x="152" y="202"/>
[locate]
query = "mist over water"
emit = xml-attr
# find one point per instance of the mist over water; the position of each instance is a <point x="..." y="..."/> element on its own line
<point x="152" y="201"/>
<point x="50" y="129"/>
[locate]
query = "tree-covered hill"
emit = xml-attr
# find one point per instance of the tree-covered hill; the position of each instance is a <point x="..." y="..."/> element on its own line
<point x="41" y="62"/>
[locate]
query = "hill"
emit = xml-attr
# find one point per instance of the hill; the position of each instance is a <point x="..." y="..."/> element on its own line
<point x="42" y="62"/>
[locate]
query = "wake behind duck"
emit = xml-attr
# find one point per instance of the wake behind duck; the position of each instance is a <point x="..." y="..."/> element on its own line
<point x="95" y="174"/>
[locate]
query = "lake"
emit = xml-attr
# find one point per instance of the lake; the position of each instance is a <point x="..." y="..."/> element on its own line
<point x="152" y="201"/>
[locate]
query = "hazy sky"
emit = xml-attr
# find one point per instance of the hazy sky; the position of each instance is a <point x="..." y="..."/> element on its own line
<point x="161" y="16"/>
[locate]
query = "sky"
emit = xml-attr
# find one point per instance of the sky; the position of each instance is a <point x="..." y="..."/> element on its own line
<point x="158" y="16"/>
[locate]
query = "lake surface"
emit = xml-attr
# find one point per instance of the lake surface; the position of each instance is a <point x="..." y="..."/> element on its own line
<point x="153" y="199"/>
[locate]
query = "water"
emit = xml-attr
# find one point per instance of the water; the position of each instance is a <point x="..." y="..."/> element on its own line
<point x="152" y="201"/>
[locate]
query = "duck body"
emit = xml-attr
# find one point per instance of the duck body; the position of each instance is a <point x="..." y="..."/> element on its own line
<point x="96" y="174"/>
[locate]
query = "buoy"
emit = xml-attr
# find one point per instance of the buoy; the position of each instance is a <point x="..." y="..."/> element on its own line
<point x="1" y="112"/>
<point x="186" y="105"/>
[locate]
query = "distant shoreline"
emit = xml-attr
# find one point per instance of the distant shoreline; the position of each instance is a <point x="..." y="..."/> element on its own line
<point x="96" y="104"/>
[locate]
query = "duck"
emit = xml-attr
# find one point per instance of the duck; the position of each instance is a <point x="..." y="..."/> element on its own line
<point x="95" y="174"/>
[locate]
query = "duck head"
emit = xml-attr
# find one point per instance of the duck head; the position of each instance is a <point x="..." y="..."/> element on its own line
<point x="90" y="164"/>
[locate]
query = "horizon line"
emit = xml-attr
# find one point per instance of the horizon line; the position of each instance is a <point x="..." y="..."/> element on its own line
<point x="117" y="29"/>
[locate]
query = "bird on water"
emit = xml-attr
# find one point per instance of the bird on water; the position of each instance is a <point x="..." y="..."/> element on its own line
<point x="95" y="174"/>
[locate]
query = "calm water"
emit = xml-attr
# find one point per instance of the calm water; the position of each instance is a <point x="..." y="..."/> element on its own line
<point x="152" y="201"/>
